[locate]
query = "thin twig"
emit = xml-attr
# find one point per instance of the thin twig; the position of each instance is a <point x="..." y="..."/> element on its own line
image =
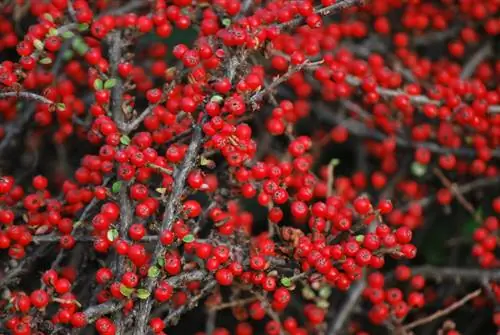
<point x="173" y="317"/>
<point x="456" y="192"/>
<point x="348" y="306"/>
<point x="480" y="55"/>
<point x="462" y="189"/>
<point x="26" y="95"/>
<point x="257" y="97"/>
<point x="443" y="312"/>
<point x="457" y="274"/>
<point x="325" y="11"/>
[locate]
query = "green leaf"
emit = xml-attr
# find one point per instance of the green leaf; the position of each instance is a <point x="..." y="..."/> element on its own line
<point x="153" y="272"/>
<point x="418" y="169"/>
<point x="188" y="238"/>
<point x="125" y="140"/>
<point x="53" y="32"/>
<point x="83" y="26"/>
<point x="308" y="293"/>
<point x="217" y="98"/>
<point x="226" y="22"/>
<point x="48" y="17"/>
<point x="68" y="54"/>
<point x="471" y="225"/>
<point x="285" y="281"/>
<point x="61" y="106"/>
<point x="80" y="46"/>
<point x="334" y="162"/>
<point x="110" y="83"/>
<point x="117" y="185"/>
<point x="161" y="190"/>
<point x="143" y="294"/>
<point x="161" y="261"/>
<point x="46" y="61"/>
<point x="322" y="303"/>
<point x="98" y="85"/>
<point x="325" y="292"/>
<point x="112" y="235"/>
<point x="68" y="34"/>
<point x="38" y="44"/>
<point x="126" y="291"/>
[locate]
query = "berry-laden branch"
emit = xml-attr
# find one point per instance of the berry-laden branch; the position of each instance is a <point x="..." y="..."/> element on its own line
<point x="169" y="216"/>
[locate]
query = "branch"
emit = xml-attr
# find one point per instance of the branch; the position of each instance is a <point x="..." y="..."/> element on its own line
<point x="458" y="274"/>
<point x="358" y="128"/>
<point x="53" y="238"/>
<point x="174" y="316"/>
<point x="454" y="190"/>
<point x="462" y="189"/>
<point x="257" y="97"/>
<point x="26" y="95"/>
<point x="117" y="91"/>
<point x="325" y="11"/>
<point x="94" y="312"/>
<point x="480" y="55"/>
<point x="169" y="217"/>
<point x="346" y="309"/>
<point x="442" y="312"/>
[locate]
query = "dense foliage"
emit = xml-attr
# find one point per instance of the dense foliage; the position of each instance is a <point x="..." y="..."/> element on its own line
<point x="249" y="167"/>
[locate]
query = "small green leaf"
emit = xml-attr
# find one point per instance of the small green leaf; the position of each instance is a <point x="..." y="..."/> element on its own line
<point x="112" y="235"/>
<point x="308" y="293"/>
<point x="226" y="22"/>
<point x="46" y="61"/>
<point x="418" y="169"/>
<point x="80" y="46"/>
<point x="68" y="34"/>
<point x="110" y="83"/>
<point x="161" y="261"/>
<point x="471" y="225"/>
<point x="161" y="190"/>
<point x="285" y="281"/>
<point x="143" y="294"/>
<point x="68" y="54"/>
<point x="126" y="291"/>
<point x="98" y="85"/>
<point x="83" y="26"/>
<point x="325" y="292"/>
<point x="48" y="17"/>
<point x="61" y="106"/>
<point x="125" y="140"/>
<point x="334" y="162"/>
<point x="53" y="32"/>
<point x="217" y="99"/>
<point x="38" y="44"/>
<point x="321" y="303"/>
<point x="188" y="238"/>
<point x="153" y="272"/>
<point x="117" y="185"/>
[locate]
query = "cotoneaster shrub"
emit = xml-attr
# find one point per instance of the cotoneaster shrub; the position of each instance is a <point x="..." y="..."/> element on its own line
<point x="249" y="167"/>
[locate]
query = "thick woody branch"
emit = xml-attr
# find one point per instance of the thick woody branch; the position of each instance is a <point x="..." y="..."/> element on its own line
<point x="169" y="217"/>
